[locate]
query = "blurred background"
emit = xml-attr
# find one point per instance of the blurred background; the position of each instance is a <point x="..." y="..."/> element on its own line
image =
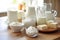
<point x="4" y="5"/>
<point x="56" y="5"/>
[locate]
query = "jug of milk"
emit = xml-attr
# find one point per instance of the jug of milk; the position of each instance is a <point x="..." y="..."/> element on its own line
<point x="31" y="13"/>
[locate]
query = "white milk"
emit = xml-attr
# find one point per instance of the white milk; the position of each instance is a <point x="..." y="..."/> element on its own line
<point x="41" y="20"/>
<point x="12" y="16"/>
<point x="29" y="22"/>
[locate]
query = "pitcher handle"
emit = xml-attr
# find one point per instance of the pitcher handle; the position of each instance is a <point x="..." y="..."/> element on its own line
<point x="54" y="12"/>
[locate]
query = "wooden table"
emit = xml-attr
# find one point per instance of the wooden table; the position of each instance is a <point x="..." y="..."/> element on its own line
<point x="7" y="34"/>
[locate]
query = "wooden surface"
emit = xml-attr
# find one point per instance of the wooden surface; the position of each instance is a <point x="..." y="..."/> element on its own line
<point x="7" y="34"/>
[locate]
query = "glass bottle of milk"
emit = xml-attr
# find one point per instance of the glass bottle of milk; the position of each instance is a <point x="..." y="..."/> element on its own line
<point x="30" y="13"/>
<point x="30" y="16"/>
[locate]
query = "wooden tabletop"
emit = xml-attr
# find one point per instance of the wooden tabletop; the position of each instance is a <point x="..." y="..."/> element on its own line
<point x="7" y="34"/>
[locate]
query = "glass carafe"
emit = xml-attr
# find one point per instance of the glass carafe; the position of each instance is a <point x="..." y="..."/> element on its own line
<point x="50" y="13"/>
<point x="45" y="13"/>
<point x="41" y="18"/>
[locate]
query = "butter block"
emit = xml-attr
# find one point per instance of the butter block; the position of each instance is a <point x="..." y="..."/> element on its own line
<point x="49" y="22"/>
<point x="42" y="27"/>
<point x="53" y="25"/>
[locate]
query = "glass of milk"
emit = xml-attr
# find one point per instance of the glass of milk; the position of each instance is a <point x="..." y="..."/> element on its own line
<point x="41" y="20"/>
<point x="12" y="16"/>
<point x="12" y="13"/>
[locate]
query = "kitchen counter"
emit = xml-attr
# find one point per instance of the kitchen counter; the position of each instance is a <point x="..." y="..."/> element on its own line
<point x="7" y="34"/>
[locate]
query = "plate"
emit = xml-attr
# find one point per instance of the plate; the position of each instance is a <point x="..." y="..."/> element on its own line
<point x="48" y="30"/>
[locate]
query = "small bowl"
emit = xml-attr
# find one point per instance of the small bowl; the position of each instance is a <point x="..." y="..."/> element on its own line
<point x="16" y="27"/>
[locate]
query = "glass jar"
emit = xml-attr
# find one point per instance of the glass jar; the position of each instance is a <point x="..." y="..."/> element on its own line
<point x="45" y="13"/>
<point x="31" y="10"/>
<point x="12" y="13"/>
<point x="41" y="18"/>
